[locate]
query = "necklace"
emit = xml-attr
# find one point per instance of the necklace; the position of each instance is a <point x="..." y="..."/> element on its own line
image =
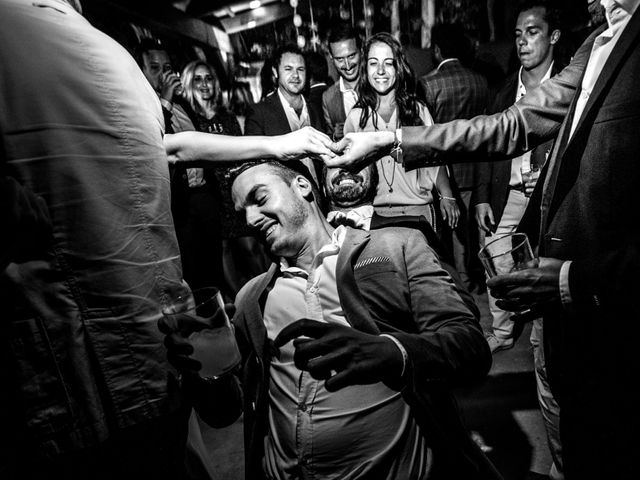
<point x="393" y="175"/>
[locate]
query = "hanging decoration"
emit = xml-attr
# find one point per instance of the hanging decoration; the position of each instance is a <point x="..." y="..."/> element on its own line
<point x="314" y="29"/>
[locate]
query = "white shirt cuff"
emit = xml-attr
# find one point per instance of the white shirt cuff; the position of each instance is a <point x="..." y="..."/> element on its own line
<point x="565" y="293"/>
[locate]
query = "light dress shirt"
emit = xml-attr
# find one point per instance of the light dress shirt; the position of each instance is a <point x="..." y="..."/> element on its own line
<point x="296" y="123"/>
<point x="349" y="96"/>
<point x="524" y="160"/>
<point x="618" y="14"/>
<point x="397" y="187"/>
<point x="362" y="431"/>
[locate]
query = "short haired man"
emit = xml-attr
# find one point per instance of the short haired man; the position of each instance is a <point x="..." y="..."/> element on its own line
<point x="340" y="98"/>
<point x="286" y="110"/>
<point x="501" y="195"/>
<point x="373" y="303"/>
<point x="454" y="91"/>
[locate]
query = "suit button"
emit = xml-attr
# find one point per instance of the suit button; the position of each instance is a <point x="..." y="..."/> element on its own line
<point x="302" y="407"/>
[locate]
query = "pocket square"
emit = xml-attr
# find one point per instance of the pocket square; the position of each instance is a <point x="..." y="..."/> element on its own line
<point x="370" y="261"/>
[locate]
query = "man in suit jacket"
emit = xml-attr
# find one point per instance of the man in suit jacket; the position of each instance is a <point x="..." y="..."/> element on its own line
<point x="584" y="212"/>
<point x="387" y="336"/>
<point x="454" y="91"/>
<point x="500" y="198"/>
<point x="339" y="98"/>
<point x="286" y="110"/>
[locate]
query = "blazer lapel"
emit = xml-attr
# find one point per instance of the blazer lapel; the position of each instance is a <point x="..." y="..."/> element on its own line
<point x="254" y="310"/>
<point x="279" y="115"/>
<point x="353" y="305"/>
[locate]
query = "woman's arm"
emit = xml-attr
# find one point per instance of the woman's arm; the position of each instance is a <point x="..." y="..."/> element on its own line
<point x="196" y="148"/>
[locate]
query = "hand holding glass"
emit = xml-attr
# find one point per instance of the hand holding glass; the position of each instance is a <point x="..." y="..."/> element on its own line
<point x="203" y="320"/>
<point x="507" y="254"/>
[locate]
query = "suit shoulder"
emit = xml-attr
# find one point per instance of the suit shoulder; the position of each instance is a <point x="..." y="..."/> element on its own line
<point x="330" y="92"/>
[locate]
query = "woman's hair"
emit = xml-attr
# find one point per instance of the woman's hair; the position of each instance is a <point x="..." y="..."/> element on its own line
<point x="188" y="73"/>
<point x="407" y="102"/>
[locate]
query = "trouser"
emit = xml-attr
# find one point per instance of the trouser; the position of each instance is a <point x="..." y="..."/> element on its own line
<point x="502" y="324"/>
<point x="548" y="406"/>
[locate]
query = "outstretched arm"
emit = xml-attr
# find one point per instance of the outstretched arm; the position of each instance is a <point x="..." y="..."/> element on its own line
<point x="198" y="148"/>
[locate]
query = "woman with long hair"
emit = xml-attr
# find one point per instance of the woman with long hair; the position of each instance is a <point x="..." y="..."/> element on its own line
<point x="387" y="101"/>
<point x="242" y="257"/>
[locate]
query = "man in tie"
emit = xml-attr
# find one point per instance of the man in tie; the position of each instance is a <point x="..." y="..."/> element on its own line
<point x="584" y="218"/>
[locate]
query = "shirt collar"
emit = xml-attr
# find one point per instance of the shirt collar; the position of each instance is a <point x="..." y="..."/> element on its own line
<point x="285" y="102"/>
<point x="546" y="77"/>
<point x="343" y="87"/>
<point x="331" y="248"/>
<point x="447" y="60"/>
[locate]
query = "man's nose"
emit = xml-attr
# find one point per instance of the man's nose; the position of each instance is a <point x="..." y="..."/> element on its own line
<point x="252" y="217"/>
<point x="347" y="64"/>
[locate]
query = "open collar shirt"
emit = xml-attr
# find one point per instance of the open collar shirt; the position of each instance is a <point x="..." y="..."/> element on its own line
<point x="362" y="431"/>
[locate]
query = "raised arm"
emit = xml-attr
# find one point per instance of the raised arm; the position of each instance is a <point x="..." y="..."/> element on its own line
<point x="196" y="148"/>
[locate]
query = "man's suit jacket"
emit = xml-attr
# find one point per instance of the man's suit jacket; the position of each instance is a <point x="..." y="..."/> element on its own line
<point x="333" y="108"/>
<point x="269" y="118"/>
<point x="389" y="281"/>
<point x="588" y="214"/>
<point x="491" y="179"/>
<point x="454" y="91"/>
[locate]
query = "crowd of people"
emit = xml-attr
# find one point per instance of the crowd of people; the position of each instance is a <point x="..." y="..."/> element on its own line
<point x="342" y="220"/>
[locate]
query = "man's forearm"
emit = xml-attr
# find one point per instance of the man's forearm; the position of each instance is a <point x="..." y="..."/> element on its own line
<point x="535" y="119"/>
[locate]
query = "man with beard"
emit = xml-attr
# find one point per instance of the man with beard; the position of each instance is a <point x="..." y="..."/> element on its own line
<point x="381" y="334"/>
<point x="339" y="98"/>
<point x="350" y="197"/>
<point x="584" y="218"/>
<point x="286" y="110"/>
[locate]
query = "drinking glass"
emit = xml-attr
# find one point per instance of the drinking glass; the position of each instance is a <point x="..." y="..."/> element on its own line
<point x="507" y="254"/>
<point x="213" y="339"/>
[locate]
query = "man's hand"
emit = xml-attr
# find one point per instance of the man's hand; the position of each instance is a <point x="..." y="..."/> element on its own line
<point x="359" y="149"/>
<point x="304" y="143"/>
<point x="178" y="326"/>
<point x="450" y="212"/>
<point x="529" y="288"/>
<point x="170" y="85"/>
<point x="338" y="132"/>
<point x="484" y="217"/>
<point x="357" y="358"/>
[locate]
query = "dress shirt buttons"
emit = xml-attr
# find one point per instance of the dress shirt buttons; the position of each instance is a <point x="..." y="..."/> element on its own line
<point x="584" y="94"/>
<point x="313" y="289"/>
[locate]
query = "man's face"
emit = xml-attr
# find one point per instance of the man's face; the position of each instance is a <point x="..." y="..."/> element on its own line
<point x="381" y="69"/>
<point x="155" y="63"/>
<point x="292" y="73"/>
<point x="534" y="41"/>
<point x="348" y="189"/>
<point x="276" y="211"/>
<point x="346" y="58"/>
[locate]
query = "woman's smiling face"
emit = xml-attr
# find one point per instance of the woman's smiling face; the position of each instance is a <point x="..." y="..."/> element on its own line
<point x="381" y="70"/>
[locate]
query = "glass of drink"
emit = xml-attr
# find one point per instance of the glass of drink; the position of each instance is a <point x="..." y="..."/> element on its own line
<point x="204" y="322"/>
<point x="529" y="178"/>
<point x="506" y="254"/>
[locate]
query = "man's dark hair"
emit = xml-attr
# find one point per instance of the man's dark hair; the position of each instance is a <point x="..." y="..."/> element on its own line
<point x="287" y="173"/>
<point x="278" y="54"/>
<point x="317" y="68"/>
<point x="552" y="14"/>
<point x="145" y="46"/>
<point x="343" y="31"/>
<point x="452" y="40"/>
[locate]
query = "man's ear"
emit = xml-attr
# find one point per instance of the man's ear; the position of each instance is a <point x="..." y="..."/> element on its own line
<point x="555" y="36"/>
<point x="304" y="186"/>
<point x="274" y="72"/>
